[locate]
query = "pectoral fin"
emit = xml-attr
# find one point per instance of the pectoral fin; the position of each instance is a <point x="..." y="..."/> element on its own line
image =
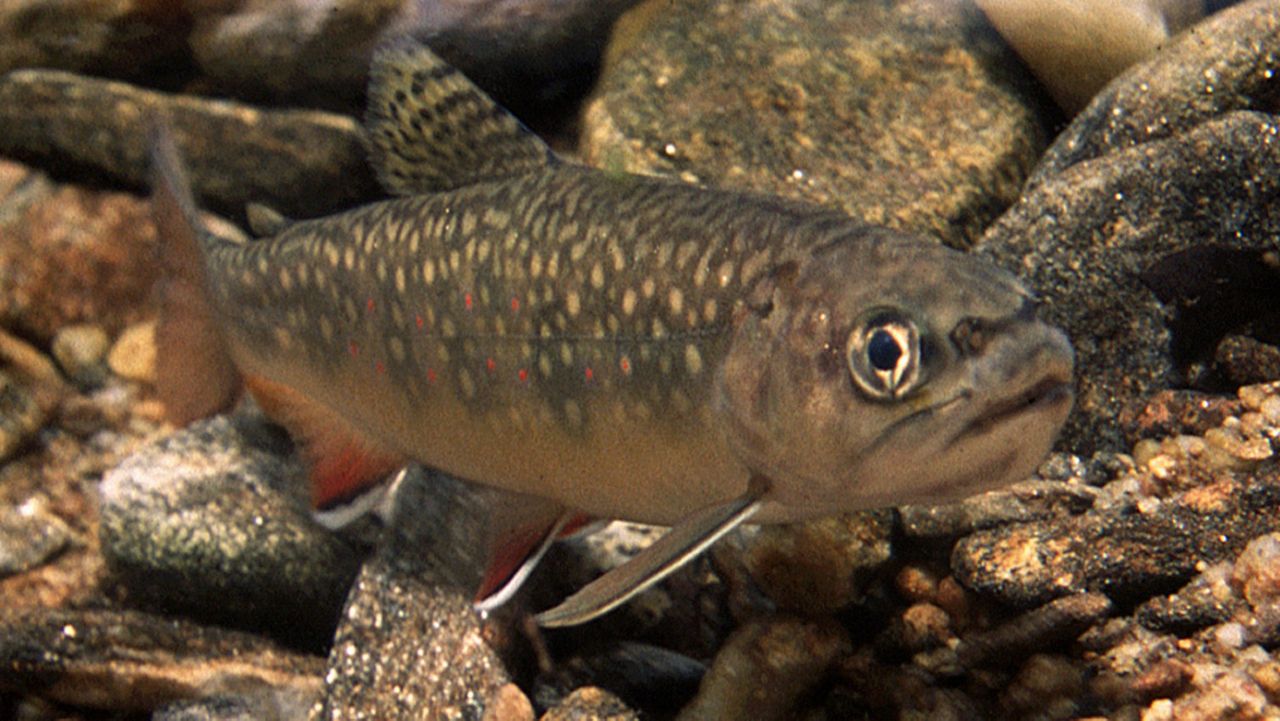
<point x="680" y="545"/>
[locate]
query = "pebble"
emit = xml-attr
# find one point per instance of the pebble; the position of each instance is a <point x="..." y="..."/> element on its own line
<point x="21" y="415"/>
<point x="642" y="675"/>
<point x="213" y="522"/>
<point x="133" y="355"/>
<point x="591" y="704"/>
<point x="29" y="537"/>
<point x="81" y="352"/>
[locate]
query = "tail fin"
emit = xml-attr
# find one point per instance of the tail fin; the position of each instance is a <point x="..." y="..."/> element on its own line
<point x="195" y="376"/>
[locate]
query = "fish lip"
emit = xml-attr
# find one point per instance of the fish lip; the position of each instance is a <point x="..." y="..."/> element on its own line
<point x="1044" y="394"/>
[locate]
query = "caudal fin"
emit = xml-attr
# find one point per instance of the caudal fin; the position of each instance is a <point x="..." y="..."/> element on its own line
<point x="195" y="376"/>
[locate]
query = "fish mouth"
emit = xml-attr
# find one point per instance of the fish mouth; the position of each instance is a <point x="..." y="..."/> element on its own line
<point x="1047" y="395"/>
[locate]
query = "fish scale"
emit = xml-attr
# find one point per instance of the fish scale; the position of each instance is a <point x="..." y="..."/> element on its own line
<point x="601" y="344"/>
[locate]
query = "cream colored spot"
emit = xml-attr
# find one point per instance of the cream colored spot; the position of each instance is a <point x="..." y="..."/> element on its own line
<point x="664" y="364"/>
<point x="397" y="349"/>
<point x="725" y="273"/>
<point x="262" y="265"/>
<point x="659" y="330"/>
<point x="331" y="252"/>
<point x="685" y="253"/>
<point x="349" y="257"/>
<point x="326" y="329"/>
<point x="455" y="261"/>
<point x="482" y="251"/>
<point x="544" y="365"/>
<point x="675" y="299"/>
<point x="415" y="237"/>
<point x="578" y="250"/>
<point x="553" y="265"/>
<point x="573" y="413"/>
<point x="499" y="326"/>
<point x="468" y="223"/>
<point x="286" y="282"/>
<point x="573" y="303"/>
<point x="400" y="280"/>
<point x="664" y="254"/>
<point x="709" y="310"/>
<point x="442" y="353"/>
<point x="569" y="231"/>
<point x="754" y="265"/>
<point x="466" y="384"/>
<point x="692" y="359"/>
<point x="681" y="402"/>
<point x="619" y="259"/>
<point x="597" y="276"/>
<point x="628" y="301"/>
<point x="428" y="271"/>
<point x="447" y="328"/>
<point x="566" y="354"/>
<point x="284" y="338"/>
<point x="562" y="322"/>
<point x="648" y="287"/>
<point x="535" y="265"/>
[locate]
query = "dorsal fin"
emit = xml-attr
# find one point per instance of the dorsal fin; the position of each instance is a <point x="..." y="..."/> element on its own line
<point x="265" y="221"/>
<point x="430" y="129"/>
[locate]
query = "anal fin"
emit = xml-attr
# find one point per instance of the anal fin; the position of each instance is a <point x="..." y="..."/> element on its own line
<point x="343" y="462"/>
<point x="676" y="548"/>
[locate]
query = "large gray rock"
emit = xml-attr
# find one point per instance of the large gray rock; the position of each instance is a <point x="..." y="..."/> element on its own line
<point x="914" y="114"/>
<point x="213" y="522"/>
<point x="1180" y="154"/>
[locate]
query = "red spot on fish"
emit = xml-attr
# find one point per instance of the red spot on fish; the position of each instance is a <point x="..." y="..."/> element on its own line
<point x="624" y="364"/>
<point x="515" y="304"/>
<point x="431" y="375"/>
<point x="588" y="374"/>
<point x="466" y="300"/>
<point x="353" y="349"/>
<point x="523" y="375"/>
<point x="368" y="305"/>
<point x="490" y="364"/>
<point x="380" y="367"/>
<point x="419" y="321"/>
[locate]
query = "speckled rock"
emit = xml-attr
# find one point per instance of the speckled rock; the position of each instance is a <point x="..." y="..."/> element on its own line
<point x="81" y="352"/>
<point x="1189" y="501"/>
<point x="766" y="668"/>
<point x="591" y="704"/>
<point x="133" y="661"/>
<point x="1178" y="154"/>
<point x="301" y="162"/>
<point x="409" y="644"/>
<point x="912" y="114"/>
<point x="29" y="536"/>
<point x="70" y="255"/>
<point x="213" y="521"/>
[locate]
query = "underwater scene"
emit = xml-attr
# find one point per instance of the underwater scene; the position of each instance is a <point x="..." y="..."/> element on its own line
<point x="505" y="360"/>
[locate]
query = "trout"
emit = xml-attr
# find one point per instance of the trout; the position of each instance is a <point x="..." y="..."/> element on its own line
<point x="601" y="345"/>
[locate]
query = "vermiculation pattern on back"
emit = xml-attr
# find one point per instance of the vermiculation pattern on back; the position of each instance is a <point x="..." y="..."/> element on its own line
<point x="551" y="286"/>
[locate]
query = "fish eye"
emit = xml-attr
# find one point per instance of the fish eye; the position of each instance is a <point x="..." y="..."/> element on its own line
<point x="884" y="354"/>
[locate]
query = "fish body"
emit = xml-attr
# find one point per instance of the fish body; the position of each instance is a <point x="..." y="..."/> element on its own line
<point x="615" y="345"/>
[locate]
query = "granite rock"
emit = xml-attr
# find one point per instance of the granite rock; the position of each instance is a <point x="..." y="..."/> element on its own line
<point x="213" y="522"/>
<point x="1151" y="197"/>
<point x="913" y="114"/>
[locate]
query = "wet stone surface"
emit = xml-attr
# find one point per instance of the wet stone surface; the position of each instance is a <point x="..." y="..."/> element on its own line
<point x="903" y="114"/>
<point x="213" y="522"/>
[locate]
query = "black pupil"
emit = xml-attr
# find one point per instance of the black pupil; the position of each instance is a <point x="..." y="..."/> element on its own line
<point x="883" y="351"/>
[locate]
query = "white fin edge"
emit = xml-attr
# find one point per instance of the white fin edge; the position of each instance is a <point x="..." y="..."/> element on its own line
<point x="676" y="548"/>
<point x="379" y="501"/>
<point x="517" y="579"/>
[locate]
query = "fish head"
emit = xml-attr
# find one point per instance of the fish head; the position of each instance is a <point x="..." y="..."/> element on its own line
<point x="884" y="370"/>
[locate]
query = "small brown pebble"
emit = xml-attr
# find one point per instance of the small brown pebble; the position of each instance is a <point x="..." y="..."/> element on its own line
<point x="916" y="584"/>
<point x="1267" y="676"/>
<point x="1257" y="571"/>
<point x="591" y="704"/>
<point x="1166" y="679"/>
<point x="508" y="703"/>
<point x="925" y="626"/>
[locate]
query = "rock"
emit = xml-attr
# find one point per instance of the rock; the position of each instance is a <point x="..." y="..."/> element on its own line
<point x="591" y="704"/>
<point x="766" y="668"/>
<point x="1241" y="360"/>
<point x="21" y="416"/>
<point x="528" y="53"/>
<point x="643" y="676"/>
<point x="409" y="644"/>
<point x="1109" y="202"/>
<point x="1076" y="47"/>
<point x="212" y="522"/>
<point x="29" y="536"/>
<point x="820" y="566"/>
<point x="303" y="163"/>
<point x="1024" y="501"/>
<point x="133" y="355"/>
<point x="125" y="38"/>
<point x="1176" y="412"/>
<point x="81" y="352"/>
<point x="130" y="661"/>
<point x="912" y="114"/>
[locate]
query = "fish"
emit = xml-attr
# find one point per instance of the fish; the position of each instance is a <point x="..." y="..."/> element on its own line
<point x="597" y="344"/>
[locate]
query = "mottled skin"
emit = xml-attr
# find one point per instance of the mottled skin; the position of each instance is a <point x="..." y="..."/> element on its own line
<point x="636" y="348"/>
